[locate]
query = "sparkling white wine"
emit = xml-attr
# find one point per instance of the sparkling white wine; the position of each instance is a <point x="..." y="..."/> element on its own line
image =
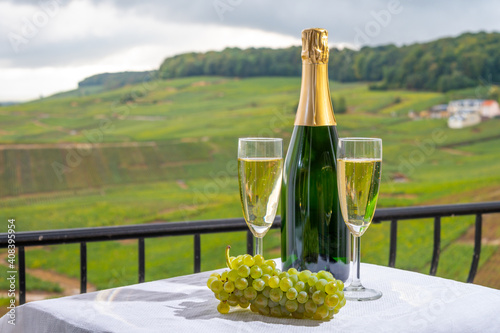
<point x="359" y="181"/>
<point x="260" y="185"/>
<point x="313" y="233"/>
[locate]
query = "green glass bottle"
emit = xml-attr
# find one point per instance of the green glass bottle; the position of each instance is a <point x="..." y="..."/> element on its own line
<point x="313" y="233"/>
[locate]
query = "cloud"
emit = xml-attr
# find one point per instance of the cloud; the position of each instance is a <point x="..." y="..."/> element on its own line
<point x="64" y="35"/>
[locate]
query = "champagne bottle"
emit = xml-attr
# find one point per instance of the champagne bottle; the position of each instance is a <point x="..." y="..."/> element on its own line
<point x="313" y="233"/>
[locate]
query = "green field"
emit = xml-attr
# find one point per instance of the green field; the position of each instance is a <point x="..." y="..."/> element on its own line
<point x="166" y="151"/>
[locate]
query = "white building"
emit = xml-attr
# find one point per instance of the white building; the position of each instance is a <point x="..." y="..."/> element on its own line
<point x="463" y="119"/>
<point x="466" y="105"/>
<point x="490" y="109"/>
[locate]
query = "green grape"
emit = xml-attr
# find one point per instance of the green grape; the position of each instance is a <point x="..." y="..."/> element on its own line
<point x="318" y="297"/>
<point x="244" y="271"/>
<point x="258" y="284"/>
<point x="232" y="300"/>
<point x="266" y="269"/>
<point x="261" y="301"/>
<point x="266" y="291"/>
<point x="210" y="280"/>
<point x="283" y="275"/>
<point x="302" y="297"/>
<point x="331" y="287"/>
<point x="291" y="305"/>
<point x="270" y="263"/>
<point x="255" y="272"/>
<point x="216" y="286"/>
<point x="229" y="286"/>
<point x="241" y="283"/>
<point x="294" y="278"/>
<point x="330" y="314"/>
<point x="276" y="294"/>
<point x="340" y="285"/>
<point x="243" y="302"/>
<point x="293" y="271"/>
<point x="259" y="260"/>
<point x="223" y="276"/>
<point x="248" y="260"/>
<point x="322" y="275"/>
<point x="264" y="310"/>
<point x="265" y="278"/>
<point x="283" y="301"/>
<point x="271" y="304"/>
<point x="285" y="284"/>
<point x="291" y="293"/>
<point x="275" y="311"/>
<point x="284" y="311"/>
<point x="297" y="315"/>
<point x="329" y="276"/>
<point x="223" y="307"/>
<point x="276" y="272"/>
<point x="321" y="313"/>
<point x="341" y="304"/>
<point x="236" y="263"/>
<point x="312" y="280"/>
<point x="301" y="308"/>
<point x="217" y="275"/>
<point x="250" y="293"/>
<point x="232" y="275"/>
<point x="300" y="286"/>
<point x="217" y="296"/>
<point x="340" y="294"/>
<point x="254" y="308"/>
<point x="320" y="285"/>
<point x="304" y="275"/>
<point x="223" y="295"/>
<point x="331" y="301"/>
<point x="274" y="282"/>
<point x="237" y="292"/>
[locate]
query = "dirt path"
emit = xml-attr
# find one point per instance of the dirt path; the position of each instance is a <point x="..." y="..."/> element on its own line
<point x="489" y="273"/>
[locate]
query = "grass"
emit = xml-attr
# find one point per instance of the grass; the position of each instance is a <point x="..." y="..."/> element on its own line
<point x="180" y="165"/>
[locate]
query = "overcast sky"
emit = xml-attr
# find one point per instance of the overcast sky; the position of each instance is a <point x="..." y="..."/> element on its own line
<point x="49" y="45"/>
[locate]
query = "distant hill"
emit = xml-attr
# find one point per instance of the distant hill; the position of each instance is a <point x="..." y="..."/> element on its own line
<point x="110" y="81"/>
<point x="441" y="65"/>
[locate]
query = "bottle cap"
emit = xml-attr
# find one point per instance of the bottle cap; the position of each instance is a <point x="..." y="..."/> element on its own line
<point x="315" y="45"/>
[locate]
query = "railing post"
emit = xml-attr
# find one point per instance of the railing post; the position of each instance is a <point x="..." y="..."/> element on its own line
<point x="197" y="253"/>
<point x="393" y="243"/>
<point x="249" y="242"/>
<point x="437" y="245"/>
<point x="477" y="248"/>
<point x="142" y="262"/>
<point x="83" y="268"/>
<point x="22" y="276"/>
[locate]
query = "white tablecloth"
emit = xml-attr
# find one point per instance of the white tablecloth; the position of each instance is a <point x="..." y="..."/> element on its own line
<point x="411" y="302"/>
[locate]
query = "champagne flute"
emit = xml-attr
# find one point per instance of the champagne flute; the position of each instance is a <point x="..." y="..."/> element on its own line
<point x="260" y="165"/>
<point x="359" y="162"/>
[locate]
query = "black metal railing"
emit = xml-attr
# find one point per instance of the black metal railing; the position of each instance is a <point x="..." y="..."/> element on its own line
<point x="196" y="228"/>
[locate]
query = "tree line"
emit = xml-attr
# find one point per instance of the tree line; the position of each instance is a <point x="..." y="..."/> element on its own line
<point x="441" y="65"/>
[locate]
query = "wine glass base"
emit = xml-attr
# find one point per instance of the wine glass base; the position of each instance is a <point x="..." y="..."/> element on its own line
<point x="361" y="294"/>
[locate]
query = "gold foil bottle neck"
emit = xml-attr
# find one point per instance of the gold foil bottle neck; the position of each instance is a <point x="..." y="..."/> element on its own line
<point x="315" y="105"/>
<point x="315" y="46"/>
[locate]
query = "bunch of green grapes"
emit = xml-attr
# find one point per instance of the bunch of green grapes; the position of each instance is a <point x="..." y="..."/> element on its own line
<point x="255" y="282"/>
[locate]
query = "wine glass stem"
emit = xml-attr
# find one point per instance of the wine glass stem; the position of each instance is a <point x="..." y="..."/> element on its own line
<point x="258" y="246"/>
<point x="356" y="282"/>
